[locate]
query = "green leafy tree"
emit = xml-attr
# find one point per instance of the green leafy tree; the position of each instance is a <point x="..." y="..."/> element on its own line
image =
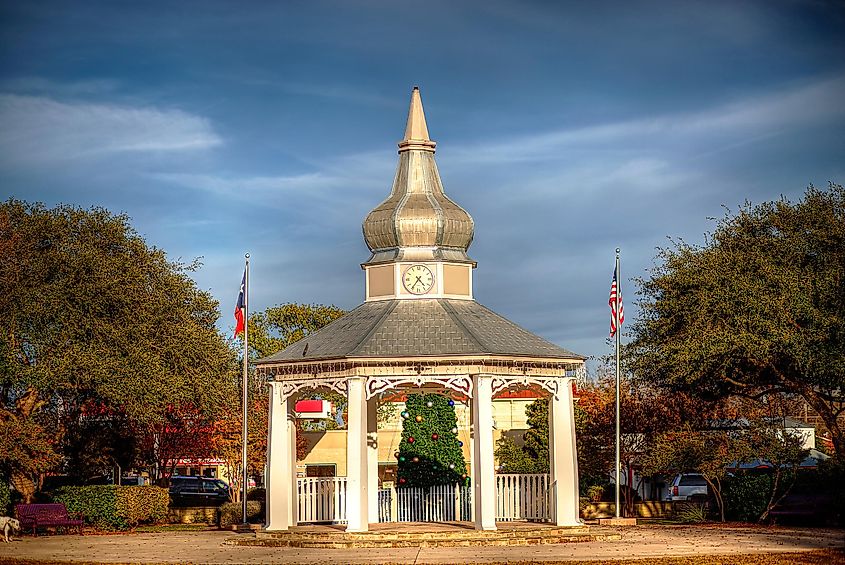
<point x="92" y="314"/>
<point x="430" y="453"/>
<point x="758" y="310"/>
<point x="532" y="456"/>
<point x="279" y="326"/>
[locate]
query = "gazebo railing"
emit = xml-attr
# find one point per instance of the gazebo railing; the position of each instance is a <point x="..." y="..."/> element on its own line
<point x="518" y="497"/>
<point x="522" y="497"/>
<point x="321" y="499"/>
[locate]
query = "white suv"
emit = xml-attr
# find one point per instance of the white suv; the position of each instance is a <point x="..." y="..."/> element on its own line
<point x="689" y="486"/>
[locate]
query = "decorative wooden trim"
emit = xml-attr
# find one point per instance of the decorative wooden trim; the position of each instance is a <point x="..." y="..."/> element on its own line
<point x="288" y="388"/>
<point x="461" y="384"/>
<point x="551" y="384"/>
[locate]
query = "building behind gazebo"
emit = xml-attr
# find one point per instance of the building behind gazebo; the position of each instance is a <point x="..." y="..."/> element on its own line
<point x="419" y="329"/>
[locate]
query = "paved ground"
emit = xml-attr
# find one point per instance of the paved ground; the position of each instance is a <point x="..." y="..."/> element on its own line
<point x="208" y="547"/>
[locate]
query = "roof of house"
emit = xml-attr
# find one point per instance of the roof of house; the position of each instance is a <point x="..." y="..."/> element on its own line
<point x="428" y="327"/>
<point x="740" y="423"/>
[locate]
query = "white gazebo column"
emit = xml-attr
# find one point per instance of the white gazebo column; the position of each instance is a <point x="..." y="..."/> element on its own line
<point x="372" y="459"/>
<point x="563" y="456"/>
<point x="357" y="484"/>
<point x="281" y="463"/>
<point x="483" y="471"/>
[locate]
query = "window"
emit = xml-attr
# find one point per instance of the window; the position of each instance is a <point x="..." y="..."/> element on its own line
<point x="327" y="470"/>
<point x="693" y="481"/>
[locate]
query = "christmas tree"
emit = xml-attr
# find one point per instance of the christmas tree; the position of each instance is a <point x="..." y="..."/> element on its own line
<point x="430" y="452"/>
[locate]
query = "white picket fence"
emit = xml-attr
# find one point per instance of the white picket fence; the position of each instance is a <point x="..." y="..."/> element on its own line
<point x="441" y="503"/>
<point x="321" y="500"/>
<point x="522" y="497"/>
<point x="518" y="497"/>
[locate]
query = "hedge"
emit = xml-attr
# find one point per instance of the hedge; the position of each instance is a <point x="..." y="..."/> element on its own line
<point x="5" y="497"/>
<point x="111" y="507"/>
<point x="258" y="494"/>
<point x="232" y="513"/>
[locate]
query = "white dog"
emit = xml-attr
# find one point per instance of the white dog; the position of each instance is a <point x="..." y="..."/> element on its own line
<point x="9" y="526"/>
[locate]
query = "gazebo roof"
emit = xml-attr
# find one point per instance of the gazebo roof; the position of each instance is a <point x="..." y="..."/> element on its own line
<point x="411" y="328"/>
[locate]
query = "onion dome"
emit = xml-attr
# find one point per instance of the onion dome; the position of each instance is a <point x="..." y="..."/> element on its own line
<point x="417" y="221"/>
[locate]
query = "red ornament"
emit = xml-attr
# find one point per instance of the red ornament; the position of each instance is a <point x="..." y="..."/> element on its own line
<point x="411" y="439"/>
<point x="401" y="480"/>
<point x="416" y="459"/>
<point x="434" y="437"/>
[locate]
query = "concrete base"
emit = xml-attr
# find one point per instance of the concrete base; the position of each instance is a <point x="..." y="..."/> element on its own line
<point x="246" y="528"/>
<point x="617" y="521"/>
<point x="411" y="534"/>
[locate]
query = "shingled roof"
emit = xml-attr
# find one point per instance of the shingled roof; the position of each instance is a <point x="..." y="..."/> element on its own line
<point x="410" y="328"/>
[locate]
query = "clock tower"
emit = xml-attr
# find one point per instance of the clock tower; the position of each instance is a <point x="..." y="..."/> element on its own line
<point x="418" y="236"/>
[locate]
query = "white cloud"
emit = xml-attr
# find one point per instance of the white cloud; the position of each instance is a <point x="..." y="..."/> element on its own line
<point x="39" y="130"/>
<point x="742" y="121"/>
<point x="251" y="186"/>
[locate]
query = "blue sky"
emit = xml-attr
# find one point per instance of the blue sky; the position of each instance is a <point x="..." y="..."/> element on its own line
<point x="566" y="129"/>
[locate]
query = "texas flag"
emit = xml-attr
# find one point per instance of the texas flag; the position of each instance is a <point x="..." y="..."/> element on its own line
<point x="239" y="309"/>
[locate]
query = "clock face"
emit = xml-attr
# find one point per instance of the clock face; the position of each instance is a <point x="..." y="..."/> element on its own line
<point x="418" y="279"/>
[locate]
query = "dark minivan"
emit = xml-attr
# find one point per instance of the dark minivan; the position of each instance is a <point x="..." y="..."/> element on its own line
<point x="198" y="491"/>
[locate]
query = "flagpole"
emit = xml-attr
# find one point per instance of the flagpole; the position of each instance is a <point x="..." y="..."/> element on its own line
<point x="244" y="382"/>
<point x="618" y="332"/>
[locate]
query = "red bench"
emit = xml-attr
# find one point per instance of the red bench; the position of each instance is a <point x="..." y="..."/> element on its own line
<point x="46" y="516"/>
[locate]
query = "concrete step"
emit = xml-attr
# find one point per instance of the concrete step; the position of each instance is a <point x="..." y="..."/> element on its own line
<point x="341" y="540"/>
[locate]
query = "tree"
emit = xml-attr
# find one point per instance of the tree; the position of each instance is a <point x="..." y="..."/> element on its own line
<point x="279" y="326"/>
<point x="758" y="310"/>
<point x="270" y="331"/>
<point x="645" y="413"/>
<point x="532" y="456"/>
<point x="430" y="453"/>
<point x="92" y="315"/>
<point x="783" y="451"/>
<point x="706" y="452"/>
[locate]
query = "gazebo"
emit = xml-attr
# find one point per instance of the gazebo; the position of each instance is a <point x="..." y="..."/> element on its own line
<point x="419" y="328"/>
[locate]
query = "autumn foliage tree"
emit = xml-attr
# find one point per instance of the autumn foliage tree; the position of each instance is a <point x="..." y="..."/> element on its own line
<point x="93" y="316"/>
<point x="645" y="414"/>
<point x="758" y="310"/>
<point x="270" y="331"/>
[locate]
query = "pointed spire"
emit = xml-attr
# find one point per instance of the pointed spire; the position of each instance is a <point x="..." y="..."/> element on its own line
<point x="416" y="131"/>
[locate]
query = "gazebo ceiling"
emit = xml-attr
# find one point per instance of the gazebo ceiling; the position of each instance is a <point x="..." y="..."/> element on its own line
<point x="414" y="328"/>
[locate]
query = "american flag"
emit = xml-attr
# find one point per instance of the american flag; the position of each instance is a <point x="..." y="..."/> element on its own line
<point x="239" y="309"/>
<point x="612" y="302"/>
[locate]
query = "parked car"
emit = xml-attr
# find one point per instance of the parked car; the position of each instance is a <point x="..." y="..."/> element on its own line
<point x="689" y="486"/>
<point x="199" y="491"/>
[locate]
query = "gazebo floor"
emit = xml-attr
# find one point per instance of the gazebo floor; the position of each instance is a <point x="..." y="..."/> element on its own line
<point x="424" y="534"/>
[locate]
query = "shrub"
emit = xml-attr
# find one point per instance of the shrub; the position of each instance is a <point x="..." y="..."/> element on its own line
<point x="111" y="507"/>
<point x="832" y="476"/>
<point x="595" y="493"/>
<point x="5" y="497"/>
<point x="232" y="513"/>
<point x="690" y="513"/>
<point x="746" y="497"/>
<point x="256" y="494"/>
<point x="142" y="504"/>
